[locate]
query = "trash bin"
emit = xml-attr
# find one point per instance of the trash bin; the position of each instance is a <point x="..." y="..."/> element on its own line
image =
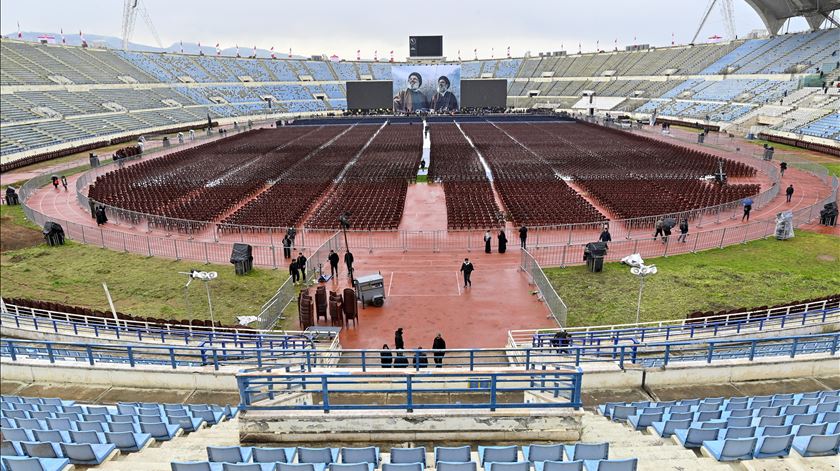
<point x="828" y="215"/>
<point x="12" y="198"/>
<point x="371" y="289"/>
<point x="94" y="160"/>
<point x="784" y="225"/>
<point x="53" y="233"/>
<point x="593" y="255"/>
<point x="242" y="258"/>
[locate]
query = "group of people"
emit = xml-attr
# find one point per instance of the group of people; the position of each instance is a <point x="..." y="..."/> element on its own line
<point x="502" y="237"/>
<point x="59" y="180"/>
<point x="333" y="259"/>
<point x="297" y="268"/>
<point x="662" y="229"/>
<point x="420" y="359"/>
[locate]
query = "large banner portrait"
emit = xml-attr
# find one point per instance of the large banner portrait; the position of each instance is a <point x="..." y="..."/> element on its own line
<point x="426" y="88"/>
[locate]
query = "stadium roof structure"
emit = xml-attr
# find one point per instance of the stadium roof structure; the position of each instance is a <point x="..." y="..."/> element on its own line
<point x="774" y="12"/>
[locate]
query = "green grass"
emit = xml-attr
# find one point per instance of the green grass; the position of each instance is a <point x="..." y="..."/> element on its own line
<point x="776" y="145"/>
<point x="764" y="272"/>
<point x="16" y="217"/>
<point x="73" y="274"/>
<point x="833" y="169"/>
<point x="422" y="179"/>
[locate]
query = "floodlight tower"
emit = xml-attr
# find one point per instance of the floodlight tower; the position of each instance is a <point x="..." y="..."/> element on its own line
<point x="132" y="8"/>
<point x="727" y="12"/>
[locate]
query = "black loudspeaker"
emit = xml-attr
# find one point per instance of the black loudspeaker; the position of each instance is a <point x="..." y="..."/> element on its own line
<point x="53" y="233"/>
<point x="242" y="258"/>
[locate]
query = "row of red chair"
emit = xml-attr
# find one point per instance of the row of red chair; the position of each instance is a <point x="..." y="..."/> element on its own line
<point x="373" y="188"/>
<point x="631" y="198"/>
<point x="470" y="203"/>
<point x="288" y="200"/>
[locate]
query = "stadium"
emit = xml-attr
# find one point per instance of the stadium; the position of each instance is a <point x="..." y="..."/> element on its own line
<point x="233" y="258"/>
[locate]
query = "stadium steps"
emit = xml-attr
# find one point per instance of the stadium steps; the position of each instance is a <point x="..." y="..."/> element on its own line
<point x="654" y="454"/>
<point x="192" y="447"/>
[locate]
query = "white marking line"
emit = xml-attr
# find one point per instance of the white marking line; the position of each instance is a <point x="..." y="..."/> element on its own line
<point x="390" y="283"/>
<point x="457" y="283"/>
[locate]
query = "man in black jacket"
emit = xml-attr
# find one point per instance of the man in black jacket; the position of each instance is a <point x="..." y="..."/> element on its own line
<point x="523" y="237"/>
<point x="293" y="271"/>
<point x="439" y="345"/>
<point x="333" y="258"/>
<point x="467" y="267"/>
<point x="301" y="261"/>
<point x="348" y="260"/>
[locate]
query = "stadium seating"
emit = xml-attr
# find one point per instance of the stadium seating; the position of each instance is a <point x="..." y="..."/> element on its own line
<point x="741" y="428"/>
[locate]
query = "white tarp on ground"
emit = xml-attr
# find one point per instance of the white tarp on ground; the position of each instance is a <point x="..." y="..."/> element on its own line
<point x="605" y="103"/>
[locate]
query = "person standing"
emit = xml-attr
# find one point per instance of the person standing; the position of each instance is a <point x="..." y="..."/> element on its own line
<point x="64" y="182"/>
<point x="439" y="345"/>
<point x="287" y="247"/>
<point x="294" y="271"/>
<point x="605" y="236"/>
<point x="400" y="361"/>
<point x="502" y="241"/>
<point x="487" y="240"/>
<point x="660" y="228"/>
<point x="666" y="233"/>
<point x="399" y="344"/>
<point x="747" y="208"/>
<point x="348" y="260"/>
<point x="683" y="231"/>
<point x="523" y="237"/>
<point x="301" y="261"/>
<point x="333" y="258"/>
<point x="385" y="356"/>
<point x="782" y="168"/>
<point x="467" y="268"/>
<point x="789" y="192"/>
<point x="420" y="359"/>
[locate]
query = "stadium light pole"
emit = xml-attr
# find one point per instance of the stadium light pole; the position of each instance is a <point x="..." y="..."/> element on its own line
<point x="344" y="220"/>
<point x="642" y="272"/>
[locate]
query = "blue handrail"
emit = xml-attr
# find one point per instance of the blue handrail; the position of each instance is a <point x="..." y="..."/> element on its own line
<point x="641" y="334"/>
<point x="305" y="360"/>
<point x="196" y="335"/>
<point x="496" y="390"/>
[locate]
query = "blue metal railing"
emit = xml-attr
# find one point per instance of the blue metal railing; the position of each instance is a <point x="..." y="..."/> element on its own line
<point x="40" y="321"/>
<point x="761" y="323"/>
<point x="305" y="360"/>
<point x="399" y="390"/>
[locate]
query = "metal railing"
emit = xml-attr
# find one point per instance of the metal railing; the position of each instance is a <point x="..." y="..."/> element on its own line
<point x="273" y="309"/>
<point x="490" y="390"/>
<point x="52" y="322"/>
<point x="735" y="326"/>
<point x="536" y="276"/>
<point x="628" y="353"/>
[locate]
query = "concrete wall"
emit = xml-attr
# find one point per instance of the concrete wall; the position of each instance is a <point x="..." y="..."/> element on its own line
<point x="204" y="379"/>
<point x="397" y="428"/>
<point x="726" y="371"/>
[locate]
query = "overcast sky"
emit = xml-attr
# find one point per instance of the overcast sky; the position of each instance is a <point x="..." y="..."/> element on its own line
<point x="342" y="27"/>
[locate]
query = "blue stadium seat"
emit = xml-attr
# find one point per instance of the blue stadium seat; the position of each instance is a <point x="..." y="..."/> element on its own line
<point x="19" y="463"/>
<point x="229" y="454"/>
<point x="128" y="442"/>
<point x="558" y="465"/>
<point x="88" y="454"/>
<point x="817" y="445"/>
<point x="770" y="447"/>
<point x="731" y="450"/>
<point x="458" y="454"/>
<point x="408" y="455"/>
<point x="455" y="466"/>
<point x="534" y="453"/>
<point x="402" y="467"/>
<point x="497" y="454"/>
<point x="317" y="455"/>
<point x="587" y="451"/>
<point x="628" y="464"/>
<point x="694" y="437"/>
<point x="273" y="455"/>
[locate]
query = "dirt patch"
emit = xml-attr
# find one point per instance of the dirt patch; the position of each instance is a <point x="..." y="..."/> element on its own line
<point x="826" y="258"/>
<point x="15" y="237"/>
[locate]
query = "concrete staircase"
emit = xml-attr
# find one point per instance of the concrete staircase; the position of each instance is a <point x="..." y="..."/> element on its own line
<point x="656" y="454"/>
<point x="191" y="447"/>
